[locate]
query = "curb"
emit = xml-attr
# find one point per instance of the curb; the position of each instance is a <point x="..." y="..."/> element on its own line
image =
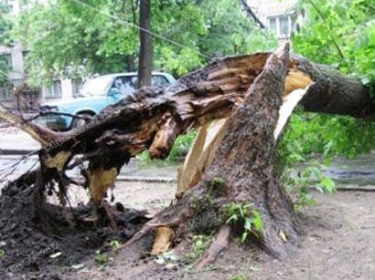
<point x="17" y="152"/>
<point x="123" y="178"/>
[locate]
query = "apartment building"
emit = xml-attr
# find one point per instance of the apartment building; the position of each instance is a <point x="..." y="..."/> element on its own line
<point x="15" y="55"/>
<point x="278" y="15"/>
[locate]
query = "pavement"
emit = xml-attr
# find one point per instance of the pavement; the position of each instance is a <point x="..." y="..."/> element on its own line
<point x="16" y="144"/>
<point x="15" y="141"/>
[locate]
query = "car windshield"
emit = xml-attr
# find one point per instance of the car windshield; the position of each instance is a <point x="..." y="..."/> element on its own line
<point x="96" y="86"/>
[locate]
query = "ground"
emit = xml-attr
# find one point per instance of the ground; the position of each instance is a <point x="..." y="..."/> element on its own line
<point x="336" y="244"/>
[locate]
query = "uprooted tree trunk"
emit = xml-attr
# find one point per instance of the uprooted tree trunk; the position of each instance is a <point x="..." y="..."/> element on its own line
<point x="246" y="89"/>
<point x="242" y="173"/>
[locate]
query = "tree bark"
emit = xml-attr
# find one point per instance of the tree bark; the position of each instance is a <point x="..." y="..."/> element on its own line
<point x="332" y="92"/>
<point x="242" y="173"/>
<point x="146" y="50"/>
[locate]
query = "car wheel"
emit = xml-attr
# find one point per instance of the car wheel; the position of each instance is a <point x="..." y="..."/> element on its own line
<point x="82" y="121"/>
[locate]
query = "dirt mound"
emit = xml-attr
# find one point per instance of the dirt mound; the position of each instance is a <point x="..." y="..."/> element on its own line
<point x="39" y="240"/>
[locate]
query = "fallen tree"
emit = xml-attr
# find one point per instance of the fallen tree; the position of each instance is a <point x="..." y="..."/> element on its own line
<point x="247" y="91"/>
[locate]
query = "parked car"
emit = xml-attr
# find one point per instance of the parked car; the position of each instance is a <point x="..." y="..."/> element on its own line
<point x="95" y="95"/>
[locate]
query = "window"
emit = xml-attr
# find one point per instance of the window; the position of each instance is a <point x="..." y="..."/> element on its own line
<point x="159" y="80"/>
<point x="76" y="85"/>
<point x="281" y="25"/>
<point x="6" y="94"/>
<point x="6" y="59"/>
<point x="96" y="86"/>
<point x="124" y="84"/>
<point x="128" y="84"/>
<point x="54" y="91"/>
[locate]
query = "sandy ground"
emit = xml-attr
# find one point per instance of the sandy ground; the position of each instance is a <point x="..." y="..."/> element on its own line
<point x="337" y="243"/>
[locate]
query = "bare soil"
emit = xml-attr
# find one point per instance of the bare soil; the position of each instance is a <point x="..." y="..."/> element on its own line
<point x="336" y="242"/>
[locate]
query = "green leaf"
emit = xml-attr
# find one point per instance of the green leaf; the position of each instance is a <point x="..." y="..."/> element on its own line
<point x="244" y="236"/>
<point x="257" y="221"/>
<point x="328" y="184"/>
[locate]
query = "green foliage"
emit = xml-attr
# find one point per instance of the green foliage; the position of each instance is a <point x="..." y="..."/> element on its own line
<point x="5" y="22"/>
<point x="325" y="39"/>
<point x="299" y="183"/>
<point x="200" y="243"/>
<point x="102" y="257"/>
<point x="325" y="36"/>
<point x="180" y="147"/>
<point x="239" y="277"/>
<point x="310" y="133"/>
<point x="249" y="219"/>
<point x="348" y="47"/>
<point x="217" y="182"/>
<point x="70" y="39"/>
<point x="167" y="257"/>
<point x="4" y="69"/>
<point x="5" y="27"/>
<point x="2" y="253"/>
<point x="114" y="244"/>
<point x="307" y="135"/>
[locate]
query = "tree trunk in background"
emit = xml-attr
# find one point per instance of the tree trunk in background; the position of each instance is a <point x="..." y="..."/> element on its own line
<point x="146" y="50"/>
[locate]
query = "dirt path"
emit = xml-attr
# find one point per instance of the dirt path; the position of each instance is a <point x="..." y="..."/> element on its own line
<point x="338" y="242"/>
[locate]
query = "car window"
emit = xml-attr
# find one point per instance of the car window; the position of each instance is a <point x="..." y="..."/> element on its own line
<point x="123" y="84"/>
<point x="159" y="80"/>
<point x="127" y="84"/>
<point x="96" y="86"/>
<point x="156" y="80"/>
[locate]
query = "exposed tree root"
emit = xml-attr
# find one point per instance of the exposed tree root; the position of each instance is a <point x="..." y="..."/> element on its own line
<point x="174" y="217"/>
<point x="163" y="240"/>
<point x="220" y="244"/>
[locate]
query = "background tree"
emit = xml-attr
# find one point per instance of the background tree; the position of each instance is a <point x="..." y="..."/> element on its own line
<point x="102" y="35"/>
<point x="349" y="48"/>
<point x="5" y="27"/>
<point x="145" y="50"/>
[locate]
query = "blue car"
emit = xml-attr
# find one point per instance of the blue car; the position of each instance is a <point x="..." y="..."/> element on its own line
<point x="96" y="94"/>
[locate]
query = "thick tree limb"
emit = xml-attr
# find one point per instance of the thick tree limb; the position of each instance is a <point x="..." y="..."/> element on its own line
<point x="152" y="118"/>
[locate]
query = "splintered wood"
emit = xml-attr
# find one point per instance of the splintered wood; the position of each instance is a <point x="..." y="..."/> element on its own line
<point x="209" y="137"/>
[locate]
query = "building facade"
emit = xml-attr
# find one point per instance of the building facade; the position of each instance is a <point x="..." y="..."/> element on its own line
<point x="15" y="55"/>
<point x="279" y="16"/>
